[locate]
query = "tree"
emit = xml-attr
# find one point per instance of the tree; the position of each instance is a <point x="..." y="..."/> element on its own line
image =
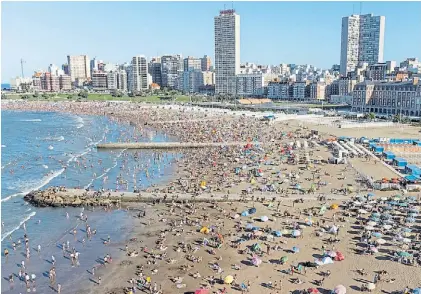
<point x="70" y="97"/>
<point x="371" y="116"/>
<point x="3" y="96"/>
<point x="83" y="94"/>
<point x="25" y="97"/>
<point x="36" y="95"/>
<point x="131" y="94"/>
<point x="45" y="96"/>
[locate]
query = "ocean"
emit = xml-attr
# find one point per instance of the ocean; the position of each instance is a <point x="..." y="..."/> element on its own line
<point x="41" y="149"/>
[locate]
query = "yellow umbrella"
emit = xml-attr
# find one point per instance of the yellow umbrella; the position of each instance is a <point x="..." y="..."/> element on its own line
<point x="204" y="230"/>
<point x="148" y="279"/>
<point x="228" y="279"/>
<point x="334" y="206"/>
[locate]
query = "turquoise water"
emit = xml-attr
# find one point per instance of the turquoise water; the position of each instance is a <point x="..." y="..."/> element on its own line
<point x="41" y="149"/>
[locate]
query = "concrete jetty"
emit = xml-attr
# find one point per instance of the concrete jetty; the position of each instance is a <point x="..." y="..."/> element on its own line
<point x="171" y="145"/>
<point x="63" y="197"/>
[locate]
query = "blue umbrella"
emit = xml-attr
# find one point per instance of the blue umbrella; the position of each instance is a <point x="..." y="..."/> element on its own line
<point x="370" y="195"/>
<point x="416" y="291"/>
<point x="295" y="249"/>
<point x="407" y="230"/>
<point x="376" y="214"/>
<point x="377" y="235"/>
<point x="410" y="220"/>
<point x="255" y="228"/>
<point x="277" y="233"/>
<point x="252" y="210"/>
<point x="249" y="226"/>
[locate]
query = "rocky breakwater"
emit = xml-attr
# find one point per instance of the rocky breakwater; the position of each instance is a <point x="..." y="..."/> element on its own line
<point x="61" y="197"/>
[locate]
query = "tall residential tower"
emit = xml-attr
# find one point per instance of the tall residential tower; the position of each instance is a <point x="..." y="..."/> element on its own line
<point x="79" y="67"/>
<point x="362" y="41"/>
<point x="227" y="51"/>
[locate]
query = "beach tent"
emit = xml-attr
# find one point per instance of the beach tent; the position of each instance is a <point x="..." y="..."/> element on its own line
<point x="324" y="260"/>
<point x="296" y="233"/>
<point x="340" y="289"/>
<point x="381" y="241"/>
<point x="204" y="230"/>
<point x="400" y="162"/>
<point x="389" y="155"/>
<point x="245" y="213"/>
<point x="228" y="279"/>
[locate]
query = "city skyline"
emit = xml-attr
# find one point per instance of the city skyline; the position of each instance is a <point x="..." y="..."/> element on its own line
<point x="265" y="29"/>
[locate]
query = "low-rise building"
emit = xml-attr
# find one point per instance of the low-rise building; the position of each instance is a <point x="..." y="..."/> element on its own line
<point x="388" y="98"/>
<point x="377" y="72"/>
<point x="249" y="84"/>
<point x="65" y="82"/>
<point x="299" y="91"/>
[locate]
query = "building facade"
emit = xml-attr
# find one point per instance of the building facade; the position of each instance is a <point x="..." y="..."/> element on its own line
<point x="318" y="91"/>
<point x="122" y="80"/>
<point x="192" y="80"/>
<point x="171" y="66"/>
<point x="138" y="74"/>
<point x="112" y="80"/>
<point x="277" y="90"/>
<point x="249" y="85"/>
<point x="79" y="67"/>
<point x="377" y="72"/>
<point x="208" y="77"/>
<point x="99" y="80"/>
<point x="206" y="63"/>
<point x="362" y="40"/>
<point x="65" y="83"/>
<point x="192" y="63"/>
<point x="299" y="91"/>
<point x="227" y="51"/>
<point x="154" y="69"/>
<point x="402" y="98"/>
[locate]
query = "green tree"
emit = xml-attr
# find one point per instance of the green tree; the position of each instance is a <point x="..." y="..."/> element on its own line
<point x="25" y="97"/>
<point x="83" y="94"/>
<point x="70" y="97"/>
<point x="45" y="96"/>
<point x="131" y="95"/>
<point x="3" y="96"/>
<point x="371" y="116"/>
<point x="36" y="95"/>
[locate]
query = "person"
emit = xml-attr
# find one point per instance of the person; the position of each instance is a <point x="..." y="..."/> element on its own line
<point x="6" y="252"/>
<point x="99" y="280"/>
<point x="39" y="248"/>
<point x="58" y="288"/>
<point x="53" y="260"/>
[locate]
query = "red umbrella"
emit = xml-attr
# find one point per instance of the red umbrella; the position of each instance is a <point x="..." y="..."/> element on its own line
<point x="312" y="290"/>
<point x="201" y="291"/>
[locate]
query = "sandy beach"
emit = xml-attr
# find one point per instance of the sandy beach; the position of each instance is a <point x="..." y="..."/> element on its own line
<point x="320" y="210"/>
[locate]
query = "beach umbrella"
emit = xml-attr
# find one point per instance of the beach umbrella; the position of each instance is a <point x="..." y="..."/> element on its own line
<point x="255" y="228"/>
<point x="236" y="216"/>
<point x="228" y="279"/>
<point x="387" y="227"/>
<point x="373" y="249"/>
<point x="388" y="207"/>
<point x="252" y="210"/>
<point x="204" y="230"/>
<point x="33" y="276"/>
<point x="264" y="218"/>
<point x="416" y="291"/>
<point x="285" y="232"/>
<point x="333" y="229"/>
<point x="404" y="254"/>
<point x="371" y="223"/>
<point x="371" y="286"/>
<point x="362" y="211"/>
<point x="245" y="213"/>
<point x="377" y="234"/>
<point x="249" y="226"/>
<point x="309" y="222"/>
<point x="407" y="230"/>
<point x="410" y="220"/>
<point x="296" y="233"/>
<point x="256" y="261"/>
<point x="370" y="195"/>
<point x="340" y="289"/>
<point x="381" y="241"/>
<point x="201" y="291"/>
<point x="406" y="240"/>
<point x="334" y="206"/>
<point x="376" y="214"/>
<point x="368" y="228"/>
<point x="312" y="290"/>
<point x="331" y="254"/>
<point x="277" y="233"/>
<point x="295" y="249"/>
<point x="284" y="259"/>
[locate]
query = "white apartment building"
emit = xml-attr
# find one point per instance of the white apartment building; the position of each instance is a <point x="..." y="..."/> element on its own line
<point x="227" y="51"/>
<point x="122" y="80"/>
<point x="79" y="67"/>
<point x="171" y="65"/>
<point x="138" y="75"/>
<point x="112" y="80"/>
<point x="19" y="83"/>
<point x="362" y="40"/>
<point x="278" y="90"/>
<point x="249" y="84"/>
<point x="208" y="78"/>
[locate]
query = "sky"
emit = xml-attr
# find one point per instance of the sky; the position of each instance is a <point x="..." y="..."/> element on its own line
<point x="271" y="32"/>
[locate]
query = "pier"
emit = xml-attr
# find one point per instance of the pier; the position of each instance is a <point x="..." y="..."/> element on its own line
<point x="172" y="145"/>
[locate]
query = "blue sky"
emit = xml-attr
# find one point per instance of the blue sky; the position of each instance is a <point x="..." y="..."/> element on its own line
<point x="271" y="32"/>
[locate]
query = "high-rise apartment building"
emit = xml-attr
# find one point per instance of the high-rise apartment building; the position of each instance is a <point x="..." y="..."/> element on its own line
<point x="122" y="80"/>
<point x="94" y="65"/>
<point x="79" y="67"/>
<point x="227" y="51"/>
<point x="206" y="63"/>
<point x="362" y="40"/>
<point x="171" y="67"/>
<point x="138" y="74"/>
<point x="112" y="80"/>
<point x="154" y="69"/>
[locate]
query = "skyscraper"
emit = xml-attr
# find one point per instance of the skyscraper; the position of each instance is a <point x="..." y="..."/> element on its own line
<point x="79" y="67"/>
<point x="171" y="68"/>
<point x="227" y="51"/>
<point x="362" y="40"/>
<point x="138" y="75"/>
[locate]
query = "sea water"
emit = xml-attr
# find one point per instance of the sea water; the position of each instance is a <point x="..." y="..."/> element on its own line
<point x="41" y="149"/>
